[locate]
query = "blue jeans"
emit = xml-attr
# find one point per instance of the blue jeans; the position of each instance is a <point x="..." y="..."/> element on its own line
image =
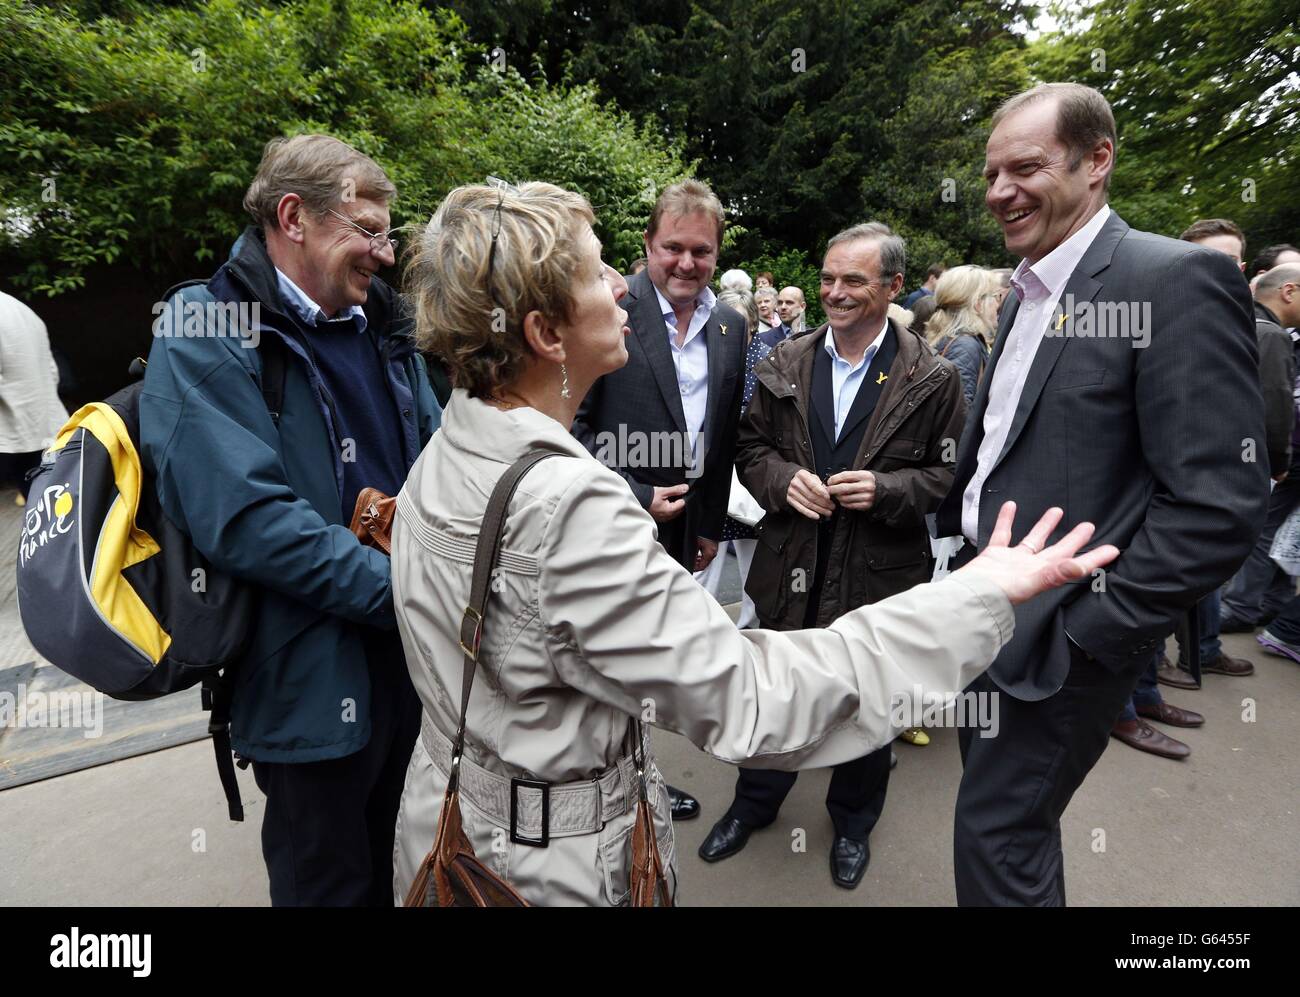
<point x="1210" y="620"/>
<point x="1147" y="692"/>
<point x="1286" y="625"/>
<point x="1260" y="588"/>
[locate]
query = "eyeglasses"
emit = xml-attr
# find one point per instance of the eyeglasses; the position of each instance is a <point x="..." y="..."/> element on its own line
<point x="501" y="186"/>
<point x="379" y="241"/>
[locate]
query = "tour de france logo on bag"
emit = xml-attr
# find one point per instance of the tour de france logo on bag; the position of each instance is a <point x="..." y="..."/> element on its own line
<point x="48" y="518"/>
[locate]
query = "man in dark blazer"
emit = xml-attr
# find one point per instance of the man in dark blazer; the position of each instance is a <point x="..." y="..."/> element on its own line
<point x="662" y="409"/>
<point x="1123" y="387"/>
<point x="667" y="420"/>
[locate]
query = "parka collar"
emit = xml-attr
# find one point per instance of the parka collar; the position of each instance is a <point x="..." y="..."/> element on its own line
<point x="788" y="368"/>
<point x="473" y="425"/>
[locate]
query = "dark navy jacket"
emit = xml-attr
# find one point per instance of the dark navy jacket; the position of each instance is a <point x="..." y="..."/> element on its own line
<point x="263" y="503"/>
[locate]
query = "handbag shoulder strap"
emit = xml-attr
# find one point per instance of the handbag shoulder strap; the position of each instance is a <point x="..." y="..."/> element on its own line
<point x="485" y="555"/>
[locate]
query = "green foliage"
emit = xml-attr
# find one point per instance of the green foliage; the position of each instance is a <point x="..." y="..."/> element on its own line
<point x="150" y="122"/>
<point x="793" y="268"/>
<point x="1206" y="105"/>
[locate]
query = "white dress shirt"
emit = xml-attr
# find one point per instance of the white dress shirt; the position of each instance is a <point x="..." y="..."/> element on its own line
<point x="310" y="312"/>
<point x="847" y="378"/>
<point x="1039" y="287"/>
<point x="691" y="361"/>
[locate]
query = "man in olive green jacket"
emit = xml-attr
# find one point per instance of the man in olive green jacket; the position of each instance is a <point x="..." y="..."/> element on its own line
<point x="848" y="443"/>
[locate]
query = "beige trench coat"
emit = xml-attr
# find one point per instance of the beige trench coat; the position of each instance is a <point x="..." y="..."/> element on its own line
<point x="590" y="622"/>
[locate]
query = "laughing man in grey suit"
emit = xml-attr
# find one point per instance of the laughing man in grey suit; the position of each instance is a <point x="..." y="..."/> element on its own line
<point x="667" y="420"/>
<point x="1123" y="387"/>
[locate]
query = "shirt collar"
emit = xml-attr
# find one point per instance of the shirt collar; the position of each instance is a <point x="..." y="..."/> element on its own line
<point x="310" y="312"/>
<point x="1047" y="277"/>
<point x="706" y="300"/>
<point x="869" y="352"/>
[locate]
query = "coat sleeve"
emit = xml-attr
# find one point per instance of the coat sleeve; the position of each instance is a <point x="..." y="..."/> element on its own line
<point x="205" y="431"/>
<point x="759" y="465"/>
<point x="1277" y="381"/>
<point x="629" y="626"/>
<point x="1197" y="421"/>
<point x="904" y="497"/>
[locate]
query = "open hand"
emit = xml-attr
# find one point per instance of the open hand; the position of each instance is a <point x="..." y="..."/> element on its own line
<point x="1025" y="570"/>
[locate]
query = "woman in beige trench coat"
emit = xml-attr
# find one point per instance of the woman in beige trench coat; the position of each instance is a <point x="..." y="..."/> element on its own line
<point x="589" y="621"/>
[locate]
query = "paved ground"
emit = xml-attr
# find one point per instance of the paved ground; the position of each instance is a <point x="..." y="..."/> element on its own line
<point x="1218" y="829"/>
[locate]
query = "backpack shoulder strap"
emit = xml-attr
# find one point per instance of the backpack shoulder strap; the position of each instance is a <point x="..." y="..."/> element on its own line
<point x="274" y="366"/>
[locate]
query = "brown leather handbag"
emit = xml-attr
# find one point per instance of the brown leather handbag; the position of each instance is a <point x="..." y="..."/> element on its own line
<point x="451" y="875"/>
<point x="372" y="519"/>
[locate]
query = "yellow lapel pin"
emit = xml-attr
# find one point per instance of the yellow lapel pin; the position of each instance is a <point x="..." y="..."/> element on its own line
<point x="882" y="377"/>
<point x="723" y="328"/>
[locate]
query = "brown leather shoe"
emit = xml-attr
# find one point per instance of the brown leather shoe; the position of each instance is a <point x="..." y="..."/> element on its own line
<point x="1171" y="715"/>
<point x="1178" y="678"/>
<point x="1141" y="735"/>
<point x="1223" y="665"/>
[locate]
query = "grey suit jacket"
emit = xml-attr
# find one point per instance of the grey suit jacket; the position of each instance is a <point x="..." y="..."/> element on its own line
<point x="1157" y="438"/>
<point x="641" y="404"/>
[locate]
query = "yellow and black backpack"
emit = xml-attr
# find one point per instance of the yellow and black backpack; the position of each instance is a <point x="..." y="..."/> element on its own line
<point x="112" y="591"/>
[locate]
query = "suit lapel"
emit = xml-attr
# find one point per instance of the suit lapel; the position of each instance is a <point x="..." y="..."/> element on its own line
<point x="1080" y="289"/>
<point x="717" y="337"/>
<point x="647" y="323"/>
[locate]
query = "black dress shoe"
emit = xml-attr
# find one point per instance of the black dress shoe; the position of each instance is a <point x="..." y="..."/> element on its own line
<point x="727" y="837"/>
<point x="684" y="806"/>
<point x="849" y="860"/>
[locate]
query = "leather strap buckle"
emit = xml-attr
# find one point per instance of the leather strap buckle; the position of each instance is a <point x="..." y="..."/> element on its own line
<point x="475" y="619"/>
<point x="515" y="836"/>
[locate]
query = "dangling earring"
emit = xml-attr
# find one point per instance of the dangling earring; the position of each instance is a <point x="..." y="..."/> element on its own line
<point x="564" y="388"/>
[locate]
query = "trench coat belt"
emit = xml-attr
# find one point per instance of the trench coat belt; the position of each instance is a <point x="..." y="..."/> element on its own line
<point x="581" y="807"/>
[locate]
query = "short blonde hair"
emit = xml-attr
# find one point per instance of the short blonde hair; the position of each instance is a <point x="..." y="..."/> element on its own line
<point x="956" y="300"/>
<point x="540" y="255"/>
<point x="320" y="169"/>
<point x="687" y="197"/>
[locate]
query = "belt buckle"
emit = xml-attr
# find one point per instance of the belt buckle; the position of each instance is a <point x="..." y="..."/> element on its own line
<point x="515" y="836"/>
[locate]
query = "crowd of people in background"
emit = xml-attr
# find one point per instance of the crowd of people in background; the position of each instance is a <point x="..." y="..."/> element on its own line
<point x="827" y="460"/>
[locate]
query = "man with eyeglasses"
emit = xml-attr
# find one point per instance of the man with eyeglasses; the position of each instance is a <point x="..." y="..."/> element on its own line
<point x="261" y="438"/>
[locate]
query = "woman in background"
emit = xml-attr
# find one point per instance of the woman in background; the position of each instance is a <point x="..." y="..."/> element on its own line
<point x="964" y="321"/>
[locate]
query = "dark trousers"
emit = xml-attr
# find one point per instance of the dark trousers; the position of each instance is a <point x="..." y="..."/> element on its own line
<point x="14" y="468"/>
<point x="855" y="799"/>
<point x="1015" y="786"/>
<point x="1147" y="691"/>
<point x="1260" y="588"/>
<point x="327" y="835"/>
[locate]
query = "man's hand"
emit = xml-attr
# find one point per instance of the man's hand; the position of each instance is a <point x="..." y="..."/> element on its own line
<point x="853" y="489"/>
<point x="808" y="496"/>
<point x="1027" y="569"/>
<point x="666" y="505"/>
<point x="706" y="551"/>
